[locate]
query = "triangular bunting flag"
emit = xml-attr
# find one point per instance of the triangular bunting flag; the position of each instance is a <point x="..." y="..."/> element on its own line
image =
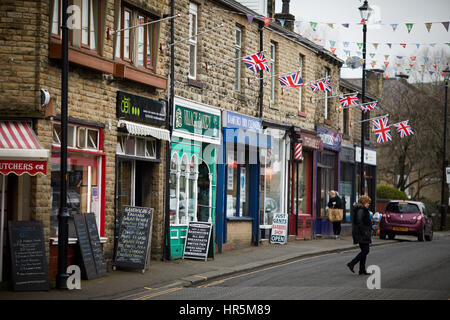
<point x="389" y="45"/>
<point x="375" y="45"/>
<point x="333" y="50"/>
<point x="360" y="44"/>
<point x="346" y="43"/>
<point x="372" y="55"/>
<point x="386" y="63"/>
<point x="386" y="56"/>
<point x="394" y="26"/>
<point x="331" y="25"/>
<point x="428" y="25"/>
<point x="403" y="45"/>
<point x="413" y="58"/>
<point x="417" y="45"/>
<point x="445" y="24"/>
<point x="266" y="22"/>
<point x="432" y="44"/>
<point x="409" y="26"/>
<point x="313" y="25"/>
<point x="332" y="43"/>
<point x="250" y="18"/>
<point x="282" y="22"/>
<point x="345" y="25"/>
<point x="347" y="52"/>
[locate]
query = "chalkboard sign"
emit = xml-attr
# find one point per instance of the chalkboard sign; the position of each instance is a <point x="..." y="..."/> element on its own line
<point x="197" y="240"/>
<point x="88" y="264"/>
<point x="134" y="238"/>
<point x="96" y="247"/>
<point x="29" y="262"/>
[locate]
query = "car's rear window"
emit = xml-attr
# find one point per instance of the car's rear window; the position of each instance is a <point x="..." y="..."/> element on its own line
<point x="399" y="207"/>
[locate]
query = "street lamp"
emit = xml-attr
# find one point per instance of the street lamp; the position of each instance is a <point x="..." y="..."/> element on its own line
<point x="365" y="12"/>
<point x="443" y="207"/>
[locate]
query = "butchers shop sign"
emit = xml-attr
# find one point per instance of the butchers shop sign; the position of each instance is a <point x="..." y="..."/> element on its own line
<point x="20" y="167"/>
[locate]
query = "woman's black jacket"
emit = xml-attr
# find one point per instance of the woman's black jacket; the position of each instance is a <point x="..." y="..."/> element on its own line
<point x="361" y="225"/>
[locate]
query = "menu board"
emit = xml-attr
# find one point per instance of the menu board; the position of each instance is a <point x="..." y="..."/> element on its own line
<point x="88" y="264"/>
<point x="96" y="247"/>
<point x="28" y="260"/>
<point x="134" y="240"/>
<point x="197" y="240"/>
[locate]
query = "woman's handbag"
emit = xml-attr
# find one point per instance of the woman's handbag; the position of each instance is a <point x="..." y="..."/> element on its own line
<point x="335" y="215"/>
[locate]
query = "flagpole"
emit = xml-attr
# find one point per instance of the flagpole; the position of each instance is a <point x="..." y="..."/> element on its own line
<point x="338" y="95"/>
<point x="359" y="105"/>
<point x="113" y="32"/>
<point x="275" y="75"/>
<point x="365" y="120"/>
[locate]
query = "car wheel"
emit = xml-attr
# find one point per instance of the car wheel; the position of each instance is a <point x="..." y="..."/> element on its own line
<point x="391" y="236"/>
<point x="382" y="235"/>
<point x="420" y="236"/>
<point x="429" y="237"/>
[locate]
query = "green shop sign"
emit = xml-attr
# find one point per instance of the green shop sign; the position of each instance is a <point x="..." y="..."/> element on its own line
<point x="196" y="122"/>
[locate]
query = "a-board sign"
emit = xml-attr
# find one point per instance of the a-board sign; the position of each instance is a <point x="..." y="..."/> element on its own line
<point x="197" y="240"/>
<point x="96" y="247"/>
<point x="87" y="258"/>
<point x="279" y="228"/>
<point x="29" y="262"/>
<point x="134" y="240"/>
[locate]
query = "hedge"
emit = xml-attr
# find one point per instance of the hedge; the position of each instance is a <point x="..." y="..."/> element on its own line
<point x="391" y="193"/>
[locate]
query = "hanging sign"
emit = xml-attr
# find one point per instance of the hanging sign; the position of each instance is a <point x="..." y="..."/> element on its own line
<point x="279" y="228"/>
<point x="331" y="140"/>
<point x="136" y="108"/>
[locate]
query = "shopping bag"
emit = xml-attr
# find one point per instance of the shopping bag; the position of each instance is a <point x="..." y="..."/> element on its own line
<point x="335" y="215"/>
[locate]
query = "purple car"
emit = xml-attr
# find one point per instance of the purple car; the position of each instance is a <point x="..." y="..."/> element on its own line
<point x="406" y="218"/>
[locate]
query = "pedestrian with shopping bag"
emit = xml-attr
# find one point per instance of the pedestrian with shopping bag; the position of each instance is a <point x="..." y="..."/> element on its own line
<point x="361" y="233"/>
<point x="335" y="212"/>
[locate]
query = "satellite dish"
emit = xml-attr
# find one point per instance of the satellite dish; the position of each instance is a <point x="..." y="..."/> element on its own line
<point x="354" y="62"/>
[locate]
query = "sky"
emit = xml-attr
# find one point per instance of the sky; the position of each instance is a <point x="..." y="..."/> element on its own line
<point x="423" y="55"/>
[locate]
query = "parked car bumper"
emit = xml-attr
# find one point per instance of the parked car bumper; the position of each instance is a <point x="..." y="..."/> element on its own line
<point x="411" y="229"/>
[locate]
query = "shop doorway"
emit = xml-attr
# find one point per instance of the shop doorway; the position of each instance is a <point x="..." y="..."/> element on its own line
<point x="204" y="198"/>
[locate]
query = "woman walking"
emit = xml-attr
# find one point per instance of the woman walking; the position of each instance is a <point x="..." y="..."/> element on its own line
<point x="361" y="232"/>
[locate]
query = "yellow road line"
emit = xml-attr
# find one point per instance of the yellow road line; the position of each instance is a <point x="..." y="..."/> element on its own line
<point x="155" y="294"/>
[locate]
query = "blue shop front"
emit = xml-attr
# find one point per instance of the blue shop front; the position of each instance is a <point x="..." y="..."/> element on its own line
<point x="238" y="181"/>
<point x="327" y="173"/>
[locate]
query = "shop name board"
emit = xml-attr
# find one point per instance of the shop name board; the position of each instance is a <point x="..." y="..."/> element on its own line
<point x="311" y="142"/>
<point x="240" y="121"/>
<point x="136" y="108"/>
<point x="196" y="122"/>
<point x="370" y="156"/>
<point x="23" y="166"/>
<point x="331" y="140"/>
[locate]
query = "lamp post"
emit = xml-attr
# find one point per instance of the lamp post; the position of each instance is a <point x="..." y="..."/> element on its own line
<point x="443" y="207"/>
<point x="365" y="12"/>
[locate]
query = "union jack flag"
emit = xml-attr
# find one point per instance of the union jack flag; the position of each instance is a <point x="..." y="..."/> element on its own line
<point x="348" y="100"/>
<point x="294" y="80"/>
<point x="256" y="62"/>
<point x="321" y="85"/>
<point x="368" y="107"/>
<point x="403" y="128"/>
<point x="382" y="131"/>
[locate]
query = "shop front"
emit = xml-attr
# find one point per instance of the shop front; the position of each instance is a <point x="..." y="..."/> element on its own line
<point x="301" y="186"/>
<point x="195" y="140"/>
<point x="21" y="158"/>
<point x="327" y="166"/>
<point x="347" y="179"/>
<point x="239" y="186"/>
<point x="139" y="169"/>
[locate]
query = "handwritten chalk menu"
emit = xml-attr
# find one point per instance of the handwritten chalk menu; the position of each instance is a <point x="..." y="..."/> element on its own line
<point x="29" y="262"/>
<point x="96" y="247"/>
<point x="197" y="240"/>
<point x="88" y="264"/>
<point x="279" y="228"/>
<point x="134" y="238"/>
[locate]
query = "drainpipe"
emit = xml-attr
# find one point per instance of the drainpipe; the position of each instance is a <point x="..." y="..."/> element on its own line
<point x="166" y="246"/>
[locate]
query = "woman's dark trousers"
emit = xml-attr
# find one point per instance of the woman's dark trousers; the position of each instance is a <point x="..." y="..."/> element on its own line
<point x="361" y="257"/>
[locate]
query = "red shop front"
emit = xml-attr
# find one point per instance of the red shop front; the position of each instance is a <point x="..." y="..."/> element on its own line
<point x="302" y="183"/>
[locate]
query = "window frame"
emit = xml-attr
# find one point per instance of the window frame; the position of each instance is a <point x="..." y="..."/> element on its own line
<point x="326" y="104"/>
<point x="193" y="11"/>
<point x="238" y="52"/>
<point x="300" y="89"/>
<point x="273" y="50"/>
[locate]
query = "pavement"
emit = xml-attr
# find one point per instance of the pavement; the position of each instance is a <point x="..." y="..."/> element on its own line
<point x="163" y="275"/>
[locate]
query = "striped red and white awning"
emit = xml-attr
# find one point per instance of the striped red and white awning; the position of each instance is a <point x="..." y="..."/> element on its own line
<point x="20" y="149"/>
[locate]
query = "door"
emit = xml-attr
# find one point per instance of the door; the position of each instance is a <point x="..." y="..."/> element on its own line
<point x="204" y="196"/>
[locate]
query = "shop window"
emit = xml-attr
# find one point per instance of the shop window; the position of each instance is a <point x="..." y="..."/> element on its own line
<point x="238" y="181"/>
<point x="272" y="177"/>
<point x="136" y="146"/>
<point x="83" y="174"/>
<point x="273" y="80"/>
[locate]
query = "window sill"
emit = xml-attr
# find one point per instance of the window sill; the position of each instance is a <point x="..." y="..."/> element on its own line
<point x="328" y="122"/>
<point x="120" y="70"/>
<point x="302" y="114"/>
<point x="195" y="83"/>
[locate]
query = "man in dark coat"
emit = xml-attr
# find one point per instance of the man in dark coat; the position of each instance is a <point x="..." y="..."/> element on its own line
<point x="361" y="232"/>
<point x="335" y="203"/>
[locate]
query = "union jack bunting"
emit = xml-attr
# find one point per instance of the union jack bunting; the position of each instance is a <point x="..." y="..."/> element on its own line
<point x="321" y="85"/>
<point x="348" y="100"/>
<point x="369" y="107"/>
<point x="294" y="80"/>
<point x="382" y="131"/>
<point x="256" y="62"/>
<point x="403" y="128"/>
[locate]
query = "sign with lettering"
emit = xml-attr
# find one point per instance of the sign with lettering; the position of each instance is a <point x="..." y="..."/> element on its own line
<point x="240" y="121"/>
<point x="134" y="240"/>
<point x="196" y="121"/>
<point x="19" y="167"/>
<point x="28" y="260"/>
<point x="87" y="258"/>
<point x="136" y="108"/>
<point x="279" y="228"/>
<point x="331" y="140"/>
<point x="197" y="240"/>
